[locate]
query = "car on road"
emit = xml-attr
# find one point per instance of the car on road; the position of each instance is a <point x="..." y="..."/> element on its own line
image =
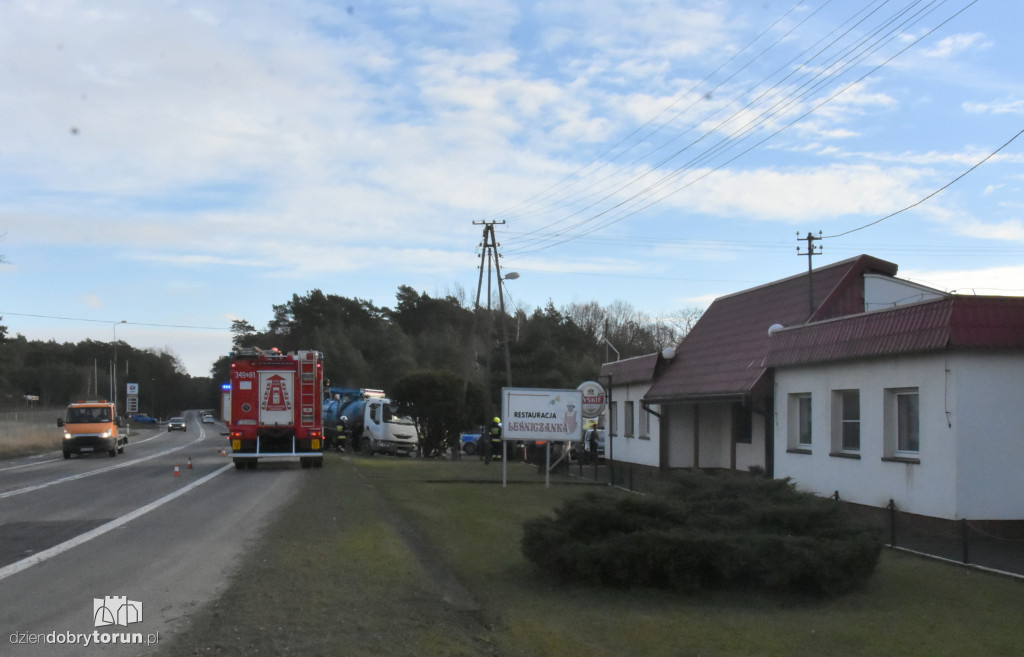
<point x="142" y="418"/>
<point x="208" y="418"/>
<point x="176" y="424"/>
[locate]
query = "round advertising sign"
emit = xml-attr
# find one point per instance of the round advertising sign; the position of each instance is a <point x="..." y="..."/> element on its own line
<point x="594" y="398"/>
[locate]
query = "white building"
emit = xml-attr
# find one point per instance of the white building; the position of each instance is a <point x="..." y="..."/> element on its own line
<point x="922" y="405"/>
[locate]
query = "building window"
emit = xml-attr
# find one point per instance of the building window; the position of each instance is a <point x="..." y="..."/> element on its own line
<point x="627" y="417"/>
<point x="902" y="422"/>
<point x="798" y="412"/>
<point x="645" y="424"/>
<point x="846" y="420"/>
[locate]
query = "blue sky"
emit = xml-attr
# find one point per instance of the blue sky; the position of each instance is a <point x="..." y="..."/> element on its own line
<point x="177" y="165"/>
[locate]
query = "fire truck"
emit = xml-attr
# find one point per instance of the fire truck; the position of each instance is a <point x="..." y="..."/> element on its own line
<point x="275" y="402"/>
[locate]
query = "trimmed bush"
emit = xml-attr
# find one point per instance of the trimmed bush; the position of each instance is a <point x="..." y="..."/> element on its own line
<point x="713" y="532"/>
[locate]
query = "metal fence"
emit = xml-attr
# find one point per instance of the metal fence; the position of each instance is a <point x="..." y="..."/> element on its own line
<point x="35" y="416"/>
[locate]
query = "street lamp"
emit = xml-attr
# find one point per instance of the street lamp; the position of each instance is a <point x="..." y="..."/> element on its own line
<point x="113" y="372"/>
<point x="511" y="276"/>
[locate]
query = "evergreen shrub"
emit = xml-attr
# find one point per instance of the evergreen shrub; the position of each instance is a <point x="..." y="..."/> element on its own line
<point x="711" y="532"/>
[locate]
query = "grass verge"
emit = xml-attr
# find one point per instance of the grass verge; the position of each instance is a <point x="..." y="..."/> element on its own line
<point x="363" y="572"/>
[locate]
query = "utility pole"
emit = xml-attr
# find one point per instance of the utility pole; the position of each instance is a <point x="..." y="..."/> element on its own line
<point x="489" y="256"/>
<point x="811" y="252"/>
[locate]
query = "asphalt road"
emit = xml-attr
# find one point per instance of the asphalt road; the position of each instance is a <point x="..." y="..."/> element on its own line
<point x="79" y="530"/>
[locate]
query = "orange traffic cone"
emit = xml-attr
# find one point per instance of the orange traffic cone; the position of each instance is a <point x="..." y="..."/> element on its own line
<point x="177" y="472"/>
<point x="189" y="466"/>
<point x="223" y="452"/>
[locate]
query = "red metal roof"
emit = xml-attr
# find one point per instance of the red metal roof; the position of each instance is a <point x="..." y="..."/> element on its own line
<point x="969" y="322"/>
<point x="724" y="354"/>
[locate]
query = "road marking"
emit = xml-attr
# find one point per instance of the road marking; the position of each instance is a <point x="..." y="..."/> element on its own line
<point x="40" y="557"/>
<point x="83" y="475"/>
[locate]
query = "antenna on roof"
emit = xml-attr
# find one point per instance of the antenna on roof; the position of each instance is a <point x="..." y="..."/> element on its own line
<point x="811" y="238"/>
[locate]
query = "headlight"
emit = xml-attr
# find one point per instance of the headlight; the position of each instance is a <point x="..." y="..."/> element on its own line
<point x="67" y="436"/>
<point x="107" y="433"/>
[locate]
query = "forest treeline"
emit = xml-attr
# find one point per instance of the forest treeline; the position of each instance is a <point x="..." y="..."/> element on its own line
<point x="364" y="346"/>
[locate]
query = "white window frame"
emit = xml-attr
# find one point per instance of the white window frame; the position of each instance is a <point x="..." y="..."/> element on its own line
<point x="843" y="421"/>
<point x="795" y="421"/>
<point x="629" y="420"/>
<point x="896" y="416"/>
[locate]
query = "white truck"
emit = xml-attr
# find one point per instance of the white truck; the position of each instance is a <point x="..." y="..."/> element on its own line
<point x="365" y="421"/>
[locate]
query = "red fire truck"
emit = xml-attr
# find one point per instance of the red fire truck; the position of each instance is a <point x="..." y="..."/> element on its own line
<point x="276" y="408"/>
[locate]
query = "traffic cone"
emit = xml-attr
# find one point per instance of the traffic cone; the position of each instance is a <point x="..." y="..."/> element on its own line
<point x="177" y="472"/>
<point x="189" y="466"/>
<point x="223" y="452"/>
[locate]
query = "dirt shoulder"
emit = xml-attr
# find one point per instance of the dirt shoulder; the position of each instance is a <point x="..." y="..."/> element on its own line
<point x="338" y="573"/>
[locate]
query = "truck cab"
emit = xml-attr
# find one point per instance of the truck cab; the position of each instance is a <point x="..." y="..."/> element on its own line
<point x="92" y="426"/>
<point x="387" y="433"/>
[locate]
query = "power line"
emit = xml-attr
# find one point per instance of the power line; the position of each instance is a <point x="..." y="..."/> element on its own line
<point x="118" y="321"/>
<point x="936" y="192"/>
<point x="885" y="32"/>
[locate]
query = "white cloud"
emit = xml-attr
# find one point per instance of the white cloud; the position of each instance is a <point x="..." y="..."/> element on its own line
<point x="954" y="45"/>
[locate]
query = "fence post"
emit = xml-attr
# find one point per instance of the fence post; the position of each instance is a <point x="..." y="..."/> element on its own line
<point x="892" y="523"/>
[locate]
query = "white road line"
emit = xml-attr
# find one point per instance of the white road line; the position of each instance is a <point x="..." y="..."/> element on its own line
<point x="83" y="475"/>
<point x="40" y="557"/>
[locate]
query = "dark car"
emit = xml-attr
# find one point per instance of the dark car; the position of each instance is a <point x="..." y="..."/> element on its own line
<point x="176" y="424"/>
<point x="142" y="418"/>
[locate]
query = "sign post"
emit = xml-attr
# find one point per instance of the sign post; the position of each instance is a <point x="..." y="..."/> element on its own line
<point x="539" y="415"/>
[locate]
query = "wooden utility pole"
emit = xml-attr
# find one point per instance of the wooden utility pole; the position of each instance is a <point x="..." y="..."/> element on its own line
<point x="811" y="252"/>
<point x="489" y="256"/>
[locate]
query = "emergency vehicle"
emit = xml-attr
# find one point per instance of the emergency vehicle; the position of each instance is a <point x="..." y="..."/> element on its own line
<point x="275" y="401"/>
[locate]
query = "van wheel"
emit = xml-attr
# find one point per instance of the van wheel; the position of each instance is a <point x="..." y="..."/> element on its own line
<point x="112" y="452"/>
<point x="67" y="455"/>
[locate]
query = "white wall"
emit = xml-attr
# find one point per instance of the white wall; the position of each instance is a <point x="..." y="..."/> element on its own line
<point x="988" y="415"/>
<point x="927" y="488"/>
<point x="971" y="431"/>
<point x="886" y="292"/>
<point x="715" y="437"/>
<point x="639" y="449"/>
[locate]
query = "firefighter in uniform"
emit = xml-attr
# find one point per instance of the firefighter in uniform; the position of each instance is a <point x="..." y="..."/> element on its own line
<point x="487" y="440"/>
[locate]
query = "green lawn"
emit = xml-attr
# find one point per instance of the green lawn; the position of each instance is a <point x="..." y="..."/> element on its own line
<point x="912" y="606"/>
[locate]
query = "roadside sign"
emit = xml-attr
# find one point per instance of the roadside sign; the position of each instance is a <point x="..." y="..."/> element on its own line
<point x="540" y="414"/>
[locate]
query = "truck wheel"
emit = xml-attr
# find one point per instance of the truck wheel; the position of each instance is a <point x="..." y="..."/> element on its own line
<point x="304" y="462"/>
<point x="469" y="448"/>
<point x="239" y="464"/>
<point x="366" y="446"/>
<point x="251" y="464"/>
<point x="318" y="462"/>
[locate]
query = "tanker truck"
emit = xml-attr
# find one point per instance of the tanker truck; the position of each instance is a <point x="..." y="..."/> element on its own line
<point x="364" y="420"/>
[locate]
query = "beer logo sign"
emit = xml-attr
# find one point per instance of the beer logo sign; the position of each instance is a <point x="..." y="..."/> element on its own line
<point x="594" y="398"/>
